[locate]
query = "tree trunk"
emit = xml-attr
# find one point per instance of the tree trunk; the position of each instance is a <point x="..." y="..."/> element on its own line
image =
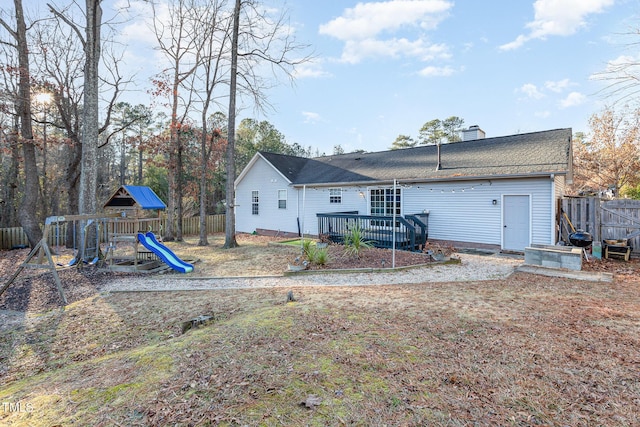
<point x="8" y="211"/>
<point x="169" y="233"/>
<point x="123" y="160"/>
<point x="230" y="218"/>
<point x="27" y="213"/>
<point x="179" y="191"/>
<point x="204" y="159"/>
<point x="90" y="123"/>
<point x="140" y="159"/>
<point x="72" y="181"/>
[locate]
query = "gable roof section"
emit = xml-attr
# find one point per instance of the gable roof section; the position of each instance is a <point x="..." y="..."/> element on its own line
<point x="137" y="196"/>
<point x="536" y="153"/>
<point x="287" y="166"/>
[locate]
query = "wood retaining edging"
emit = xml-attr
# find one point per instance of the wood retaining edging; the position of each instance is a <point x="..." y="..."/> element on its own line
<point x="590" y="276"/>
<point x="452" y="260"/>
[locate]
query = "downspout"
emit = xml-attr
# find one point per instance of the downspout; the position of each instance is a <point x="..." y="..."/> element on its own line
<point x="393" y="250"/>
<point x="304" y="195"/>
<point x="554" y="212"/>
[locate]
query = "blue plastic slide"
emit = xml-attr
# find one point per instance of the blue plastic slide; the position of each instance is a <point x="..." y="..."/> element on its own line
<point x="150" y="242"/>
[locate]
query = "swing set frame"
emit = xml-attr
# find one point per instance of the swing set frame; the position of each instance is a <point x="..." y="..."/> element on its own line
<point x="41" y="257"/>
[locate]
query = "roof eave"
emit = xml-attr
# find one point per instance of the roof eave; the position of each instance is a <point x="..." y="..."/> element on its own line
<point x="423" y="180"/>
<point x="250" y="165"/>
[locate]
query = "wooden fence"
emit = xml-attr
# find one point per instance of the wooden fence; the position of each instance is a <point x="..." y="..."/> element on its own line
<point x="15" y="237"/>
<point x="606" y="219"/>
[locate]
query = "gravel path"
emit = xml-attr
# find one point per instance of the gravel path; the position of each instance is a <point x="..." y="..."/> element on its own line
<point x="471" y="268"/>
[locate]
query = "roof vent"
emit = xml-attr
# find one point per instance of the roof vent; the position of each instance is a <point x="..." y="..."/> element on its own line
<point x="474" y="132"/>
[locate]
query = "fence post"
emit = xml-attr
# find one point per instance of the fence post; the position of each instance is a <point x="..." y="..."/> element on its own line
<point x="597" y="229"/>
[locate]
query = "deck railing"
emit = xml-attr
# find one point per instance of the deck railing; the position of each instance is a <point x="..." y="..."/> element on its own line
<point x="410" y="232"/>
<point x="421" y="224"/>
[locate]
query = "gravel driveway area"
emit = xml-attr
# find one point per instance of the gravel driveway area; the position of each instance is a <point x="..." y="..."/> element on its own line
<point x="470" y="268"/>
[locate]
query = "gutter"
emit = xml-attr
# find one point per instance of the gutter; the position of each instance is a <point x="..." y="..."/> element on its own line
<point x="427" y="180"/>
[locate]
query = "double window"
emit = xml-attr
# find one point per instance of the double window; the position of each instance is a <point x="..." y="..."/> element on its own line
<point x="383" y="202"/>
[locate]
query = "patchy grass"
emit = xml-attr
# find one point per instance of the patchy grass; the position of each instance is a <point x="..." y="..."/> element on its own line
<point x="524" y="351"/>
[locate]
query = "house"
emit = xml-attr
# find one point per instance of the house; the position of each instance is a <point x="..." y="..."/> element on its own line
<point x="500" y="192"/>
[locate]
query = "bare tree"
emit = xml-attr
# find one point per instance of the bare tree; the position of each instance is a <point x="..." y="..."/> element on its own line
<point x="622" y="75"/>
<point x="58" y="59"/>
<point x="261" y="45"/>
<point x="230" y="217"/>
<point x="27" y="212"/>
<point x="214" y="30"/>
<point x="178" y="42"/>
<point x="9" y="146"/>
<point x="89" y="35"/>
<point x="91" y="42"/>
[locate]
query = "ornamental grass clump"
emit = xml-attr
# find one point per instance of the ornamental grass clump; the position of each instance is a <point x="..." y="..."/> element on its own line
<point x="308" y="248"/>
<point x="354" y="240"/>
<point x="320" y="256"/>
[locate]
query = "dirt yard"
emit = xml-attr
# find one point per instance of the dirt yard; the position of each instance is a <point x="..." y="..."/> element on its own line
<point x="528" y="350"/>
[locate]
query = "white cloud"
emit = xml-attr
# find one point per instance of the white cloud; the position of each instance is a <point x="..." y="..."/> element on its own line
<point x="519" y="41"/>
<point x="367" y="20"/>
<point x="311" y="69"/>
<point x="558" y="18"/>
<point x="531" y="91"/>
<point x="311" y="117"/>
<point x="573" y="99"/>
<point x="559" y="86"/>
<point x="357" y="50"/>
<point x="368" y="29"/>
<point x="432" y="71"/>
<point x="620" y="67"/>
<point x="542" y="114"/>
<point x="140" y="27"/>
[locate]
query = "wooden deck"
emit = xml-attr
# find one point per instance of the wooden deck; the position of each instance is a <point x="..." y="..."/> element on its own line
<point x="411" y="231"/>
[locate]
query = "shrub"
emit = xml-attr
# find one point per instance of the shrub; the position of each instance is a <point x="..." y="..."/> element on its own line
<point x="354" y="240"/>
<point x="320" y="256"/>
<point x="307" y="248"/>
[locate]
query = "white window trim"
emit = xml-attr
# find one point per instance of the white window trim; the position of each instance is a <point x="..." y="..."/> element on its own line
<point x="337" y="196"/>
<point x="285" y="199"/>
<point x="255" y="202"/>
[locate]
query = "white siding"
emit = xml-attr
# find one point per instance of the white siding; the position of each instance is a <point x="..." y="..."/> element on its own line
<point x="262" y="177"/>
<point x="471" y="216"/>
<point x="560" y="184"/>
<point x="316" y="200"/>
<point x="461" y="211"/>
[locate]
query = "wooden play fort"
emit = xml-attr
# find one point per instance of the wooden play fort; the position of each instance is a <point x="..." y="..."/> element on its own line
<point x="123" y="238"/>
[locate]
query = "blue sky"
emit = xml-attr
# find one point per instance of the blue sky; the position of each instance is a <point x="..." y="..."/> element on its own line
<point x="384" y="68"/>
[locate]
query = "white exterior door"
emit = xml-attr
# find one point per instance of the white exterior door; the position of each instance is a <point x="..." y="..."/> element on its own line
<point x="516" y="223"/>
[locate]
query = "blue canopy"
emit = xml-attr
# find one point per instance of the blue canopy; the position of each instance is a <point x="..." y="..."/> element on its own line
<point x="137" y="196"/>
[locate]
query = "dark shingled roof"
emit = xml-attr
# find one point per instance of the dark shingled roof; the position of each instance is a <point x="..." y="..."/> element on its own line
<point x="535" y="153"/>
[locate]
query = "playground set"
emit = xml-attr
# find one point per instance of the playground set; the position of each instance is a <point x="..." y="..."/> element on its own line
<point x="121" y="239"/>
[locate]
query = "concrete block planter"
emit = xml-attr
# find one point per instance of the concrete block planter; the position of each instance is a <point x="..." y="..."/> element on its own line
<point x="567" y="257"/>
